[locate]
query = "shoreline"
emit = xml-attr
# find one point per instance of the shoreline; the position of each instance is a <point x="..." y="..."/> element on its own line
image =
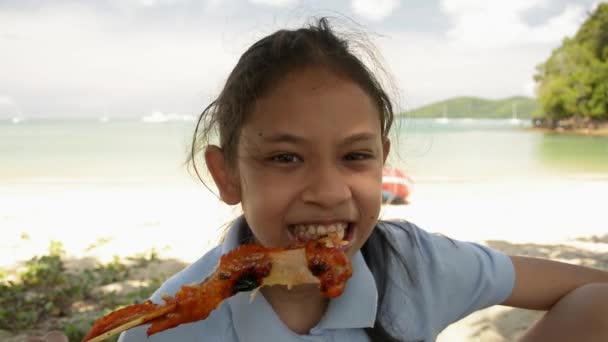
<point x="574" y="125"/>
<point x="601" y="131"/>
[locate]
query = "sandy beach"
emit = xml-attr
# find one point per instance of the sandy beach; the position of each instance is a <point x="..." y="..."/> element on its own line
<point x="557" y="218"/>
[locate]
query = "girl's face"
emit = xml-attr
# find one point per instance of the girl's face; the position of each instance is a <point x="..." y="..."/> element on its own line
<point x="310" y="160"/>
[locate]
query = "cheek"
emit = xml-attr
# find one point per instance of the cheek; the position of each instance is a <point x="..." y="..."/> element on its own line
<point x="265" y="200"/>
<point x="265" y="189"/>
<point x="369" y="195"/>
<point x="369" y="188"/>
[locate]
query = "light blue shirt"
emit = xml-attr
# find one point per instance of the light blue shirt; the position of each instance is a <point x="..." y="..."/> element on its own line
<point x="451" y="279"/>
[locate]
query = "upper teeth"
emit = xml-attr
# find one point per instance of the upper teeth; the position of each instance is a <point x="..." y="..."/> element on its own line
<point x="315" y="231"/>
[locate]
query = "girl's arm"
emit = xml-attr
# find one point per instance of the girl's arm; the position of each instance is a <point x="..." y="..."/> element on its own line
<point x="540" y="283"/>
<point x="576" y="297"/>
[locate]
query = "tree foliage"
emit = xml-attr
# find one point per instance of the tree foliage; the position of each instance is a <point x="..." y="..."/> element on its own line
<point x="574" y="80"/>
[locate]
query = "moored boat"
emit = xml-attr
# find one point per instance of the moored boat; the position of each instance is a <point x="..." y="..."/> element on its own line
<point x="396" y="186"/>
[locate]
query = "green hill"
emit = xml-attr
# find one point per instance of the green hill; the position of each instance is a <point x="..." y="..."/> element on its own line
<point x="474" y="107"/>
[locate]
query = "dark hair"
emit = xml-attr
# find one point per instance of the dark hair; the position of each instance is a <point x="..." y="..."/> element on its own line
<point x="267" y="61"/>
<point x="382" y="256"/>
<point x="264" y="64"/>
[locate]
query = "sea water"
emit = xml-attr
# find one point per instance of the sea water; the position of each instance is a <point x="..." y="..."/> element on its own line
<point x="136" y="152"/>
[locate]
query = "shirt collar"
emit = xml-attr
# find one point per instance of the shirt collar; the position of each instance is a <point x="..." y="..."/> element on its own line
<point x="238" y="233"/>
<point x="355" y="308"/>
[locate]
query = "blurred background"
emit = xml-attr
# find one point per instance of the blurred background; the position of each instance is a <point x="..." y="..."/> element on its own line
<point x="501" y="132"/>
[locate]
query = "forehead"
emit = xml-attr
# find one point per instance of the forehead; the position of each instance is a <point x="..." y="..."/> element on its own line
<point x="316" y="101"/>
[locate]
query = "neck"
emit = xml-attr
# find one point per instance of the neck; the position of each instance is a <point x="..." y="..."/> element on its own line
<point x="300" y="308"/>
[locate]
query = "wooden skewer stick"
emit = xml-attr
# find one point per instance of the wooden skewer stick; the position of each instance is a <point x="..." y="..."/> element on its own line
<point x="131" y="324"/>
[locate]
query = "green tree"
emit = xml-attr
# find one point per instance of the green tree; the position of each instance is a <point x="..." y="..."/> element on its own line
<point x="573" y="80"/>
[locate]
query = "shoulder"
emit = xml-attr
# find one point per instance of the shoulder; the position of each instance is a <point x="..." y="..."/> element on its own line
<point x="412" y="241"/>
<point x="404" y="231"/>
<point x="452" y="278"/>
<point x="435" y="248"/>
<point x="217" y="327"/>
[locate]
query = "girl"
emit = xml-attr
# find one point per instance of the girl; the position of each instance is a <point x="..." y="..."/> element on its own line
<point x="303" y="134"/>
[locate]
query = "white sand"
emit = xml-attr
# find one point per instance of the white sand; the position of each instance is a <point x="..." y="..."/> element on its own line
<point x="547" y="212"/>
<point x="179" y="221"/>
<point x="183" y="221"/>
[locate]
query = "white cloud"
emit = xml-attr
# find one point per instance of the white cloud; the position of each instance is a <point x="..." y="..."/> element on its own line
<point x="499" y="24"/>
<point x="594" y="5"/>
<point x="488" y="6"/>
<point x="53" y="68"/>
<point x="274" y="3"/>
<point x="374" y="9"/>
<point x="529" y="88"/>
<point x="8" y="106"/>
<point x="131" y="63"/>
<point x="214" y="3"/>
<point x="154" y="3"/>
<point x="6" y="101"/>
<point x="565" y="24"/>
<point x="429" y="68"/>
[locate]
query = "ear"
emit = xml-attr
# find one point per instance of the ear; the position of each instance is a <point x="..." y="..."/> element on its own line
<point x="223" y="175"/>
<point x="386" y="147"/>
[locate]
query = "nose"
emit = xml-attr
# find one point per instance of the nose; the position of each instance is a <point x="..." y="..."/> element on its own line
<point x="327" y="187"/>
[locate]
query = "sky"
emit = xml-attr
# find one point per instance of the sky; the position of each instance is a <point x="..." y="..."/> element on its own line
<point x="133" y="58"/>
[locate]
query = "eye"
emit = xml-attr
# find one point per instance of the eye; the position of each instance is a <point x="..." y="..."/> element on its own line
<point x="355" y="156"/>
<point x="286" y="158"/>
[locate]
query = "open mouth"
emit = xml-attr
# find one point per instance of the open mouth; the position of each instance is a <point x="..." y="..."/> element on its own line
<point x="301" y="233"/>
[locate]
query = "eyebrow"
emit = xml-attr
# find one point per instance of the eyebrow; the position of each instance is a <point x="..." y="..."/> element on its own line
<point x="294" y="139"/>
<point x="283" y="138"/>
<point x="359" y="137"/>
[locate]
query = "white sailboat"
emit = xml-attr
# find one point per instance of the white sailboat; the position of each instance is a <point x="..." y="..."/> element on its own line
<point x="160" y="117"/>
<point x="469" y="118"/>
<point x="19" y="117"/>
<point x="156" y="117"/>
<point x="104" y="118"/>
<point x="514" y="119"/>
<point x="444" y="119"/>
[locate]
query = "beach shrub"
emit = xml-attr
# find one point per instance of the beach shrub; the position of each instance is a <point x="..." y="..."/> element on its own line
<point x="45" y="288"/>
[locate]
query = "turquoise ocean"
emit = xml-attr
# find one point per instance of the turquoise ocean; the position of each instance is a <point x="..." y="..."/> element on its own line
<point x="429" y="150"/>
